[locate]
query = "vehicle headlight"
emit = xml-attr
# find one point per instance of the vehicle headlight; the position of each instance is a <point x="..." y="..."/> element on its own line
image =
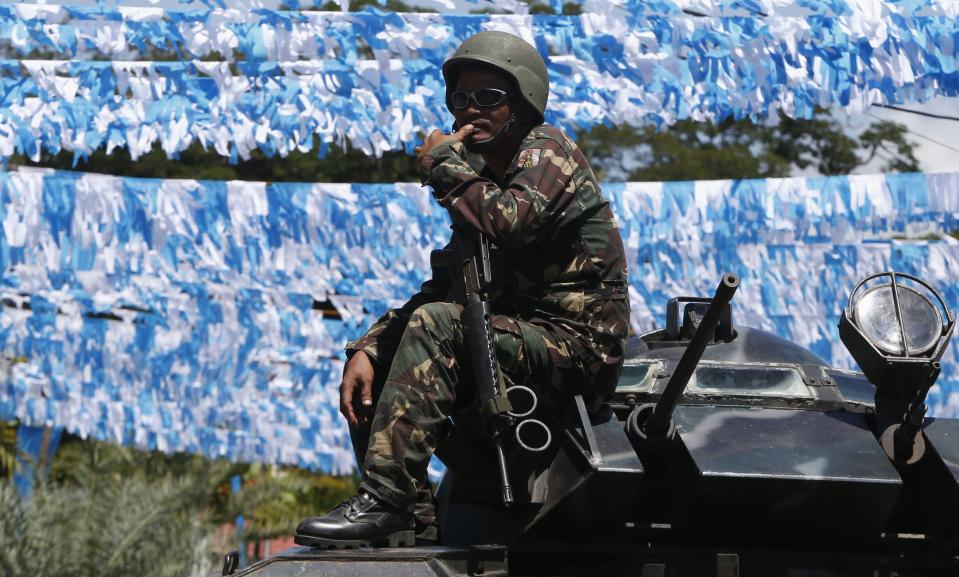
<point x="893" y="325"/>
<point x="911" y="328"/>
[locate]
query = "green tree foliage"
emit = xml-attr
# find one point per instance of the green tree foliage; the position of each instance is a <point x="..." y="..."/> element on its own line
<point x="355" y="6"/>
<point x="113" y="511"/>
<point x="278" y="499"/>
<point x="339" y="165"/>
<point x="733" y="150"/>
<point x="888" y="140"/>
<point x="569" y="8"/>
<point x="8" y="429"/>
<point x="110" y="528"/>
<point x="8" y="448"/>
<point x="535" y="7"/>
<point x="685" y="151"/>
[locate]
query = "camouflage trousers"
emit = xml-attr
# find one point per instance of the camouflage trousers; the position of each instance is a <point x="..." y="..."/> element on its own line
<point x="428" y="381"/>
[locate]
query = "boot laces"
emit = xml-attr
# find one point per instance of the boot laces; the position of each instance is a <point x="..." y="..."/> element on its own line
<point x="359" y="502"/>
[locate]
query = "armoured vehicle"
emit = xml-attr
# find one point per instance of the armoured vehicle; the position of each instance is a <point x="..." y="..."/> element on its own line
<point x="725" y="451"/>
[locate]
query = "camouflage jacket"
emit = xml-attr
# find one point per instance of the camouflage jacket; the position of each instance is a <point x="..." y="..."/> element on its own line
<point x="557" y="256"/>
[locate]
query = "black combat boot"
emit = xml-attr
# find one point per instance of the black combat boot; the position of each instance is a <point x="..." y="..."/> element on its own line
<point x="361" y="521"/>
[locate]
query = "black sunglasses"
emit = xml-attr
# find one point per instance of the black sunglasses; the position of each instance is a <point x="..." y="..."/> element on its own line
<point x="484" y="97"/>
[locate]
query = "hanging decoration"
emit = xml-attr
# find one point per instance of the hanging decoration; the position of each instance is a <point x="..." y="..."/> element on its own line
<point x="241" y="80"/>
<point x="210" y="316"/>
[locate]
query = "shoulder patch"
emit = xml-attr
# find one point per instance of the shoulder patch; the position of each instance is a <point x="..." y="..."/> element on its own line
<point x="529" y="158"/>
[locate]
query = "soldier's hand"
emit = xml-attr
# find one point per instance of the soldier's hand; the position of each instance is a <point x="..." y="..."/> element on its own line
<point x="437" y="138"/>
<point x="356" y="389"/>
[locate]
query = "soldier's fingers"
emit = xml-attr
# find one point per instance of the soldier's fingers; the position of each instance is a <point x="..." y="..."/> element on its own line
<point x="346" y="403"/>
<point x="463" y="132"/>
<point x="366" y="393"/>
<point x="351" y="417"/>
<point x="363" y="396"/>
<point x="436" y="136"/>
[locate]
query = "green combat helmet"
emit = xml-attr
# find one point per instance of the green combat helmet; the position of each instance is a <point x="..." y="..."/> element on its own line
<point x="508" y="53"/>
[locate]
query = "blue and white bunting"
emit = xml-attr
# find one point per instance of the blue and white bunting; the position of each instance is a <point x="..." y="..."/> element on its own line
<point x="272" y="80"/>
<point x="186" y="315"/>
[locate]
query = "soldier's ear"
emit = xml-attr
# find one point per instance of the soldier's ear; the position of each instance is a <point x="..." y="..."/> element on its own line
<point x="524" y="114"/>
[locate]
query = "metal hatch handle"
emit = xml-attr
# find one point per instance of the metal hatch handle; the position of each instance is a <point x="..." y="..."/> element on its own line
<point x="660" y="419"/>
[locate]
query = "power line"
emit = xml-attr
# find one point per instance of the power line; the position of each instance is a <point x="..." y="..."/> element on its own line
<point x="923" y="136"/>
<point x="919" y="112"/>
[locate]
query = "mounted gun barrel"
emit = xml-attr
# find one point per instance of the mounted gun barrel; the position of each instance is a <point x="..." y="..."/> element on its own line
<point x="659" y="422"/>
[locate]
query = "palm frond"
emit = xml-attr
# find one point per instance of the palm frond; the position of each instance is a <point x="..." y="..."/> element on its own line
<point x="8" y="448"/>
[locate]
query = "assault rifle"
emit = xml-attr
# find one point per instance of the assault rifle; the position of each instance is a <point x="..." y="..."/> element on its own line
<point x="471" y="276"/>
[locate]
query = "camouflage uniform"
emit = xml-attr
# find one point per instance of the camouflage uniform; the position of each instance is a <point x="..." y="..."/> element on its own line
<point x="559" y="302"/>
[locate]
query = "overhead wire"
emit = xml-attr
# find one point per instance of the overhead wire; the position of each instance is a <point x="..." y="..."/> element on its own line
<point x="914" y="133"/>
<point x="919" y="112"/>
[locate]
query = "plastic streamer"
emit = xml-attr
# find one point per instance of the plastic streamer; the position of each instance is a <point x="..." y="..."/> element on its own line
<point x="195" y="316"/>
<point x="241" y="80"/>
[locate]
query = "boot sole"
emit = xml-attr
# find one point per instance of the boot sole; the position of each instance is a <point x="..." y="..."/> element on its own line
<point x="398" y="539"/>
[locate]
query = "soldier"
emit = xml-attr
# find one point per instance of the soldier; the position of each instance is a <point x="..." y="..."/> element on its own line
<point x="559" y="300"/>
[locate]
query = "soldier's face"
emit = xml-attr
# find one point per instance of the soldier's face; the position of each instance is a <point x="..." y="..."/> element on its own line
<point x="486" y="119"/>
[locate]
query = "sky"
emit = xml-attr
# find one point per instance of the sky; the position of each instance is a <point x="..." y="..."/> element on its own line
<point x="936" y="140"/>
